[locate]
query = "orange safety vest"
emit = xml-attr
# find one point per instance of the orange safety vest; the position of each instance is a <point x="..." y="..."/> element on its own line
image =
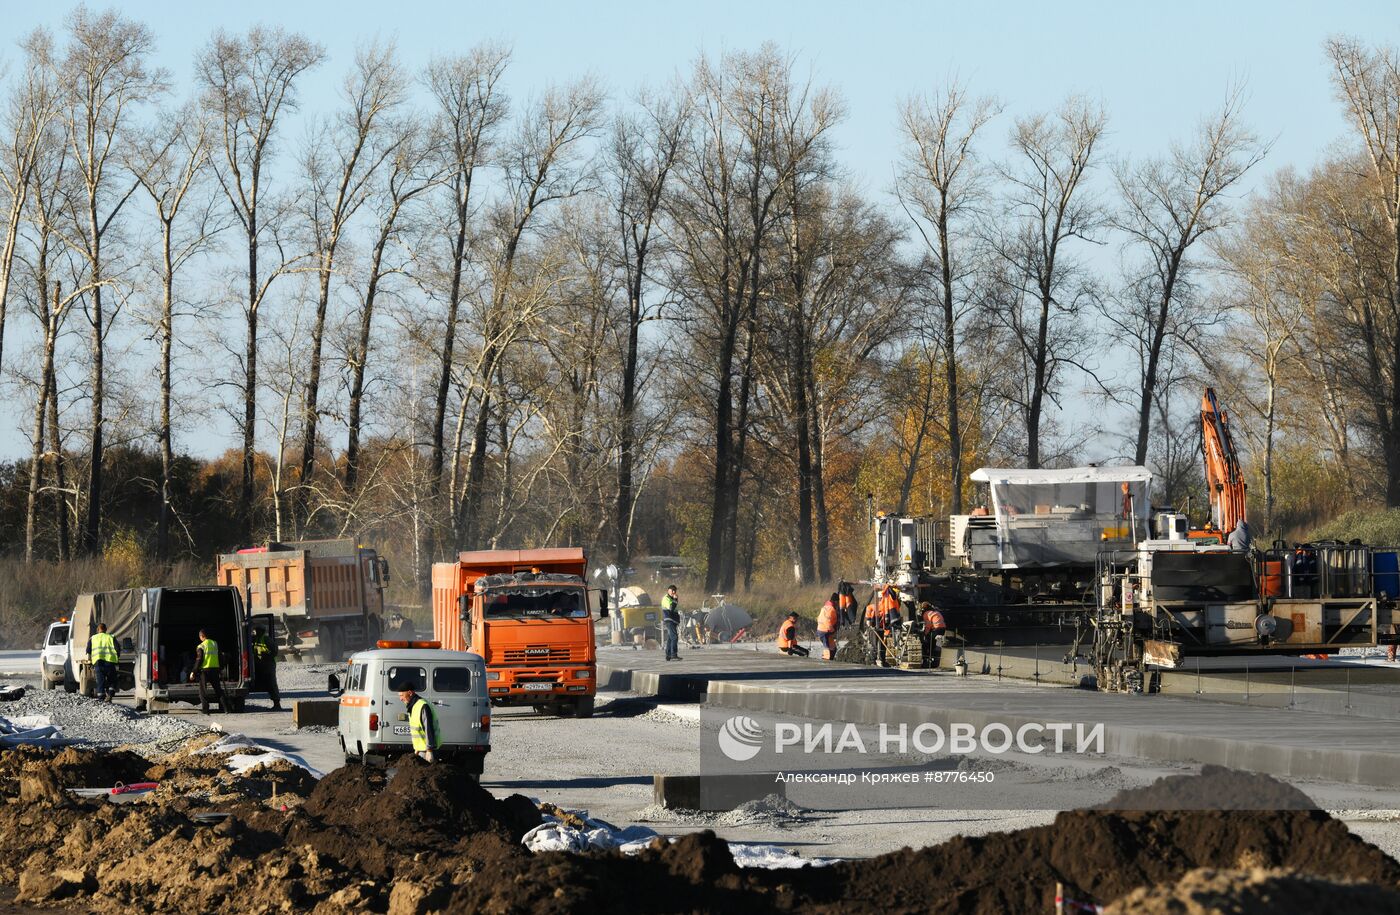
<point x="933" y="620"/>
<point x="827" y="619"/>
<point x="870" y="614"/>
<point x="848" y="602"/>
<point x="889" y="605"/>
<point x="786" y="632"/>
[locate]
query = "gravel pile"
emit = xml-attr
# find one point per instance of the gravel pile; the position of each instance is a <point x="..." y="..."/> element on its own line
<point x="772" y="811"/>
<point x="103" y="724"/>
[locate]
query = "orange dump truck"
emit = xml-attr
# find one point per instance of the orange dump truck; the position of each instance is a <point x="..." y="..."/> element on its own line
<point x="529" y="614"/>
<point x="324" y="597"/>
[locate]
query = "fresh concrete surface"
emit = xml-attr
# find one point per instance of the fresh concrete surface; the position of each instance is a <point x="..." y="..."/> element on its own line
<point x="1162" y="729"/>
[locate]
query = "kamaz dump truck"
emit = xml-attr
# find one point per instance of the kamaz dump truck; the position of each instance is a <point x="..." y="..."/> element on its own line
<point x="528" y="613"/>
<point x="325" y="597"/>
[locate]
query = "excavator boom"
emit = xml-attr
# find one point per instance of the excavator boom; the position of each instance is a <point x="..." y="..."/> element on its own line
<point x="1224" y="479"/>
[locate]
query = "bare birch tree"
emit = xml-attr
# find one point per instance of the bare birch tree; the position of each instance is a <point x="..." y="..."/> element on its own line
<point x="941" y="184"/>
<point x="249" y="82"/>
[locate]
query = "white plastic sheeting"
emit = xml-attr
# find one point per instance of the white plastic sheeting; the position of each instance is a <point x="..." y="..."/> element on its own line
<point x="598" y="835"/>
<point x="245" y="755"/>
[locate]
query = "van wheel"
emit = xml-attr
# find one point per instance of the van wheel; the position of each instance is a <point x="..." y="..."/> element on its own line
<point x="583" y="708"/>
<point x="70" y="686"/>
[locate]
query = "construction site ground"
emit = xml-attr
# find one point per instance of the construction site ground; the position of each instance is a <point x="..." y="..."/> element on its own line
<point x="649" y="720"/>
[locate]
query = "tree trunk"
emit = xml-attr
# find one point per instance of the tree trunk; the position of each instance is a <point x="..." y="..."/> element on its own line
<point x="627" y="422"/>
<point x="1038" y="385"/>
<point x="311" y="413"/>
<point x="720" y="496"/>
<point x="167" y="454"/>
<point x="950" y="365"/>
<point x="806" y="561"/>
<point x="357" y="380"/>
<point x="92" y="527"/>
<point x="36" y="460"/>
<point x="65" y="546"/>
<point x="454" y="299"/>
<point x="819" y="484"/>
<point x="250" y="389"/>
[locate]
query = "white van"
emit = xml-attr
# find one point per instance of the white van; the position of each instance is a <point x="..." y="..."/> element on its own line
<point x="374" y="723"/>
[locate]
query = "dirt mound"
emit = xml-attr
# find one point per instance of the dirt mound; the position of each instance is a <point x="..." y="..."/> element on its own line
<point x="1215" y="788"/>
<point x="1257" y="892"/>
<point x="428" y="838"/>
<point x="421" y="804"/>
<point x="70" y="768"/>
<point x="1102" y="855"/>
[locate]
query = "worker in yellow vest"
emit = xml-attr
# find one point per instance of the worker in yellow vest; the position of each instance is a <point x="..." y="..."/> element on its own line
<point x="102" y="652"/>
<point x="206" y="668"/>
<point x="787" y="638"/>
<point x="422" y="725"/>
<point x="828" y="620"/>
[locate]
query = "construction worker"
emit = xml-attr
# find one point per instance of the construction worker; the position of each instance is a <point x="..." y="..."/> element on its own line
<point x="671" y="624"/>
<point x="934" y="628"/>
<point x="787" y="637"/>
<point x="265" y="667"/>
<point x="102" y="651"/>
<point x="828" y="620"/>
<point x="1239" y="537"/>
<point x="206" y="668"/>
<point x="846" y="604"/>
<point x="422" y="725"/>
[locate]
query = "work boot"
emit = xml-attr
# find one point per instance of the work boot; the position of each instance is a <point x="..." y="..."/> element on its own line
<point x="277" y="706"/>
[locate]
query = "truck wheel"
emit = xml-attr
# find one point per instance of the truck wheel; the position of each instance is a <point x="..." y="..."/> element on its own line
<point x="50" y="684"/>
<point x="331" y="644"/>
<point x="236" y="705"/>
<point x="583" y="708"/>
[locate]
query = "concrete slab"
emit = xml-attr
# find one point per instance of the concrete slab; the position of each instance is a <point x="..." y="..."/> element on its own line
<point x="325" y="712"/>
<point x="713" y="793"/>
<point x="1292" y="743"/>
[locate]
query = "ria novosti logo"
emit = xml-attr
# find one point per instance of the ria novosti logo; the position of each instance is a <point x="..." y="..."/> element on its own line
<point x="740" y="738"/>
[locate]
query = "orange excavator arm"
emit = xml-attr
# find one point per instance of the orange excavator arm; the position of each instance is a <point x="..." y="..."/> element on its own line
<point x="1224" y="480"/>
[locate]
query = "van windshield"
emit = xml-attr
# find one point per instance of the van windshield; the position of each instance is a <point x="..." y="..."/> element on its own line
<point x="526" y="603"/>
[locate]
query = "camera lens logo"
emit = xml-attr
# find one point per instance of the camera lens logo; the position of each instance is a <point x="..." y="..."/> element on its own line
<point x="740" y="738"/>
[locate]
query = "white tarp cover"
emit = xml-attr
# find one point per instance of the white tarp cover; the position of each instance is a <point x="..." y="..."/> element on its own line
<point x="1130" y="474"/>
<point x="599" y="835"/>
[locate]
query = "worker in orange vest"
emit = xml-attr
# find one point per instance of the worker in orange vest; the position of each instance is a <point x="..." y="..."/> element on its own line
<point x="934" y="627"/>
<point x="827" y="623"/>
<point x="847" y="605"/>
<point x="787" y="637"/>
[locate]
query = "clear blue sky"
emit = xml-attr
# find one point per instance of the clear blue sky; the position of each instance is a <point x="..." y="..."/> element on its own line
<point x="1156" y="68"/>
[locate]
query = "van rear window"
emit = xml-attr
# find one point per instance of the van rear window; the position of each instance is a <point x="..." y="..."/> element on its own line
<point x="402" y="678"/>
<point x="452" y="679"/>
<point x="58" y="635"/>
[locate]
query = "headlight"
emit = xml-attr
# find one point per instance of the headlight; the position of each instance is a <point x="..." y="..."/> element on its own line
<point x="493" y="675"/>
<point x="583" y="675"/>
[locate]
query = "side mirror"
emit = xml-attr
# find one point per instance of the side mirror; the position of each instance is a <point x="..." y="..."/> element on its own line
<point x="603" y="604"/>
<point x="384" y="569"/>
<point x="464" y="608"/>
<point x="333" y="685"/>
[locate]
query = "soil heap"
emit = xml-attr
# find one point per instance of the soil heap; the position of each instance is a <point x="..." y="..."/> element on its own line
<point x="429" y="839"/>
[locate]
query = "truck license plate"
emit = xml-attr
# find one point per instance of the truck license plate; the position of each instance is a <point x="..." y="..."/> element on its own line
<point x="539" y="686"/>
<point x="401" y="730"/>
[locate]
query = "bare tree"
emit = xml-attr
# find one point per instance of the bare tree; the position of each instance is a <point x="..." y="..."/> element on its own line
<point x="644" y="151"/>
<point x="1049" y="207"/>
<point x="941" y="186"/>
<point x="414" y="169"/>
<point x="105" y="70"/>
<point x="754" y="124"/>
<point x="1367" y="81"/>
<point x="1167" y="206"/>
<point x="341" y="163"/>
<point x="541" y="167"/>
<point x="31" y="108"/>
<point x="248" y="82"/>
<point x="169" y="162"/>
<point x="470" y="110"/>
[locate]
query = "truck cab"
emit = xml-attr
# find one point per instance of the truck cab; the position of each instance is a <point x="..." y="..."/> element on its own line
<point x="528" y="613"/>
<point x="374" y="723"/>
<point x="53" y="657"/>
